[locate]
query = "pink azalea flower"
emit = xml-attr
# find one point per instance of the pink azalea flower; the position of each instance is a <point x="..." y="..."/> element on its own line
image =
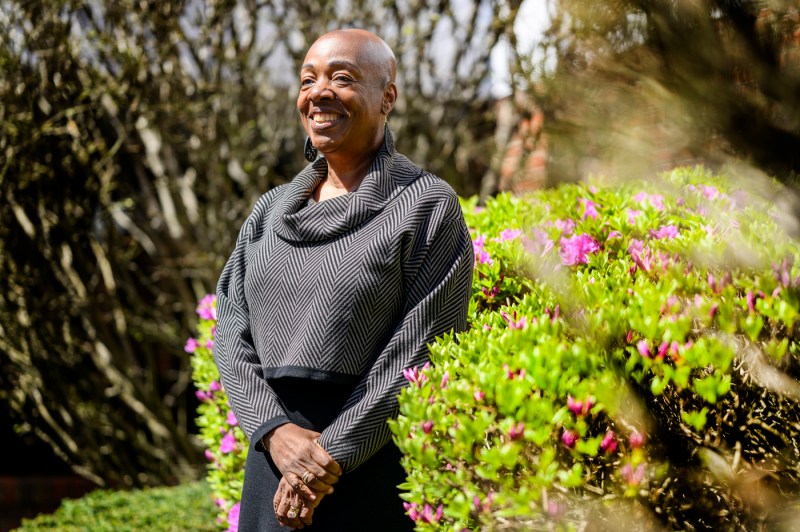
<point x="657" y="201"/>
<point x="479" y="395"/>
<point x="411" y="508"/>
<point x="710" y="192"/>
<point x="220" y="502"/>
<point x="203" y="395"/>
<point x="414" y="375"/>
<point x="231" y="419"/>
<point x="633" y="476"/>
<point x="207" y="308"/>
<point x="482" y="257"/>
<point x="228" y="443"/>
<point x="539" y="245"/>
<point x="662" y="349"/>
<point x="589" y="209"/>
<point x="609" y="443"/>
<point x="643" y="348"/>
<point x="751" y="301"/>
<point x="613" y="234"/>
<point x="667" y="232"/>
<point x="509" y="234"/>
<point x="554" y="509"/>
<point x="579" y="408"/>
<point x="636" y="439"/>
<point x="513" y="321"/>
<point x="445" y="378"/>
<point x="565" y="226"/>
<point x="215" y="386"/>
<point x="233" y="518"/>
<point x="516" y="431"/>
<point x="209" y="344"/>
<point x="576" y="249"/>
<point x="478" y="242"/>
<point x="191" y="345"/>
<point x="214" y="331"/>
<point x="490" y="294"/>
<point x="641" y="255"/>
<point x="427" y="426"/>
<point x="209" y="455"/>
<point x="569" y="439"/>
<point x="427" y="515"/>
<point x="632" y="215"/>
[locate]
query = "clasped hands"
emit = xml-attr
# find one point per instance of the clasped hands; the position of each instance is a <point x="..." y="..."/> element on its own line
<point x="308" y="473"/>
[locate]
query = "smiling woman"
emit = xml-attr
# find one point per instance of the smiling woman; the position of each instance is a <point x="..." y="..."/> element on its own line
<point x="338" y="282"/>
<point x="346" y="92"/>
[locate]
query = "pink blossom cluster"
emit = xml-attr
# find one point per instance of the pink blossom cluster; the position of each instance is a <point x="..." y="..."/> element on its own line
<point x="589" y="209"/>
<point x="207" y="395"/>
<point x="424" y="514"/>
<point x="580" y="408"/>
<point x="655" y="200"/>
<point x="207" y="307"/>
<point x="416" y="375"/>
<point x="192" y="344"/>
<point x="485" y="505"/>
<point x="481" y="255"/>
<point x="233" y="518"/>
<point x="514" y="320"/>
<point x="576" y="249"/>
<point x="517" y="431"/>
<point x="540" y="244"/>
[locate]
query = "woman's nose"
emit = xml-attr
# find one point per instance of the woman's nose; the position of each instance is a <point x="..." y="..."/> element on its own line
<point x="321" y="89"/>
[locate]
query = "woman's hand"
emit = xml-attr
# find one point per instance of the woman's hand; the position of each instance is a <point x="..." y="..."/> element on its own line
<point x="290" y="509"/>
<point x="304" y="464"/>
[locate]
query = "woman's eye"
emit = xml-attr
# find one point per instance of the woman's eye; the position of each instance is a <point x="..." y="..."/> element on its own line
<point x="342" y="79"/>
<point x="306" y="81"/>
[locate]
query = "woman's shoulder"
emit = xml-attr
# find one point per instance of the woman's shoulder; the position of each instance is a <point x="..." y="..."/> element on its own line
<point x="267" y="201"/>
<point x="429" y="189"/>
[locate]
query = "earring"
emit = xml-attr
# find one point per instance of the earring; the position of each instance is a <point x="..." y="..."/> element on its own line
<point x="309" y="151"/>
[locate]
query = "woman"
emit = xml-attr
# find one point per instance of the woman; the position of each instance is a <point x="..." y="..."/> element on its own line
<point x="338" y="282"/>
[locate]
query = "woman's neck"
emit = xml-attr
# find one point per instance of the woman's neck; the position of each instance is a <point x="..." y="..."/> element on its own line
<point x="344" y="176"/>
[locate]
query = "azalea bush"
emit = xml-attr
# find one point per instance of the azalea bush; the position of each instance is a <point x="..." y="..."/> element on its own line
<point x="632" y="361"/>
<point x="226" y="444"/>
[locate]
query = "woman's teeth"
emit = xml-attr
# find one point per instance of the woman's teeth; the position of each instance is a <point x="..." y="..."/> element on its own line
<point x="321" y="118"/>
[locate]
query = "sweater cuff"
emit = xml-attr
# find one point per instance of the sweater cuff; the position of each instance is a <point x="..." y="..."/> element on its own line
<point x="264" y="429"/>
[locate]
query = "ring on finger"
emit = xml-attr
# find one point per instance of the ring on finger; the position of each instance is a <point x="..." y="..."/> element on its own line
<point x="308" y="476"/>
<point x="293" y="512"/>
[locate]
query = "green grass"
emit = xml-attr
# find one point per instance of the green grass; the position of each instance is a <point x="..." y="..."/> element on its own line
<point x="185" y="507"/>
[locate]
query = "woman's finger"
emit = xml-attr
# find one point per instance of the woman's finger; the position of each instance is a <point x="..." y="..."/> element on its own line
<point x="306" y="515"/>
<point x="317" y="485"/>
<point x="324" y="460"/>
<point x="301" y="489"/>
<point x="283" y="498"/>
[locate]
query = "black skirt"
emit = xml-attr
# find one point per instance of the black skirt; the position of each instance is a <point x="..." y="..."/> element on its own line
<point x="366" y="499"/>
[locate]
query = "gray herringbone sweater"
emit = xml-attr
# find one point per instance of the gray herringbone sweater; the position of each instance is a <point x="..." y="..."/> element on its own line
<point x="348" y="290"/>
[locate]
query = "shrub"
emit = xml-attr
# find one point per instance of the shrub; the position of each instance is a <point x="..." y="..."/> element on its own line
<point x="185" y="507"/>
<point x="632" y="356"/>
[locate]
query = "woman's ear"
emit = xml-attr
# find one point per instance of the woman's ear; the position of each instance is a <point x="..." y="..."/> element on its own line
<point x="389" y="98"/>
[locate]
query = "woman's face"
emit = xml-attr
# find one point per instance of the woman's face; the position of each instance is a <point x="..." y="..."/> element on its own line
<point x="345" y="93"/>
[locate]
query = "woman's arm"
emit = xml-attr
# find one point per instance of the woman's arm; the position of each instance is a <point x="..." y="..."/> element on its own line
<point x="253" y="401"/>
<point x="292" y="448"/>
<point x="438" y="300"/>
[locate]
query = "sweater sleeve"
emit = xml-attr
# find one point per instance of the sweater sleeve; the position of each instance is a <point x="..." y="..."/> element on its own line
<point x="253" y="401"/>
<point x="437" y="302"/>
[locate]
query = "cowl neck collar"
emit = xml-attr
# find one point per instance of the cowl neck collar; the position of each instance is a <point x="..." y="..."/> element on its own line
<point x="296" y="219"/>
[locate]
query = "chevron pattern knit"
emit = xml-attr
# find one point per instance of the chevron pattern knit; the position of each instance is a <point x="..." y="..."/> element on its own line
<point x="349" y="290"/>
